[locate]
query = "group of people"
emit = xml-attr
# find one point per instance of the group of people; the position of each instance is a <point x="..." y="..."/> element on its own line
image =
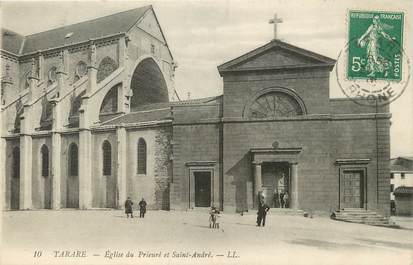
<point x="129" y="208"/>
<point x="282" y="199"/>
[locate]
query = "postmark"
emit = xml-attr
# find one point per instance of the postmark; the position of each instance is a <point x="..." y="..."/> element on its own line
<point x="373" y="68"/>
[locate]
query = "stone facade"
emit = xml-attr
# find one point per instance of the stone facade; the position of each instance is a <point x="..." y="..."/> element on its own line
<point x="116" y="131"/>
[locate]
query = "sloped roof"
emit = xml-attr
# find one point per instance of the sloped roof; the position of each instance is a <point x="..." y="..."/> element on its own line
<point x="305" y="58"/>
<point x="403" y="190"/>
<point x="11" y="41"/>
<point x="141" y="116"/>
<point x="79" y="32"/>
<point x="207" y="100"/>
<point x="401" y="164"/>
<point x="83" y="31"/>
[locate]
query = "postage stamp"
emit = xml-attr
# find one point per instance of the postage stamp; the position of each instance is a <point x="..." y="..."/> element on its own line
<point x="375" y="50"/>
<point x="373" y="68"/>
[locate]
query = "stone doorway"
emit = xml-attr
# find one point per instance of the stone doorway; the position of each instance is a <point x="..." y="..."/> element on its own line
<point x="352" y="188"/>
<point x="276" y="182"/>
<point x="202" y="188"/>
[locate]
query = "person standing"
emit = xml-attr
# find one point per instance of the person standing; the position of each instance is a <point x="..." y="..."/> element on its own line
<point x="142" y="208"/>
<point x="276" y="199"/>
<point x="262" y="214"/>
<point x="128" y="208"/>
<point x="282" y="204"/>
<point x="286" y="199"/>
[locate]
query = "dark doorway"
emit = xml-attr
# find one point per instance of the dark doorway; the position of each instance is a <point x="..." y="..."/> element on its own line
<point x="202" y="189"/>
<point x="15" y="180"/>
<point x="352" y="189"/>
<point x="276" y="182"/>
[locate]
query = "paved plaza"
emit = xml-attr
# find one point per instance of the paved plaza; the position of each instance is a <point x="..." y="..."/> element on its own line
<point x="106" y="237"/>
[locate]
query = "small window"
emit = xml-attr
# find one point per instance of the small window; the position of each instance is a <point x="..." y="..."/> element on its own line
<point x="73" y="160"/>
<point x="402" y="176"/>
<point x="107" y="158"/>
<point x="45" y="161"/>
<point x="152" y="49"/>
<point x="391" y="187"/>
<point x="141" y="156"/>
<point x="392" y="175"/>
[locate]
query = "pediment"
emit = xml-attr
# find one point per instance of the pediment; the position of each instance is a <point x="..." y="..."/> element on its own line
<point x="276" y="55"/>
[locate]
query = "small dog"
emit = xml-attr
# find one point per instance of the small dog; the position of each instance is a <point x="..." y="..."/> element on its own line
<point x="213" y="216"/>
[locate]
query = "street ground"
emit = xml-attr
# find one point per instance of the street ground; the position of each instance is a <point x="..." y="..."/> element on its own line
<point x="174" y="237"/>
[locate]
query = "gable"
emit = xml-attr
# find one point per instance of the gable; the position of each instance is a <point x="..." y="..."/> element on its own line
<point x="276" y="55"/>
<point x="150" y="24"/>
<point x="275" y="58"/>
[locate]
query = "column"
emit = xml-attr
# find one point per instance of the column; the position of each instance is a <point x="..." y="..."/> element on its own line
<point x="25" y="165"/>
<point x="122" y="164"/>
<point x="257" y="180"/>
<point x="56" y="132"/>
<point x="294" y="186"/>
<point x="85" y="158"/>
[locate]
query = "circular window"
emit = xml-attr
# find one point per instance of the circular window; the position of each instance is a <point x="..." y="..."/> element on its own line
<point x="273" y="105"/>
<point x="81" y="69"/>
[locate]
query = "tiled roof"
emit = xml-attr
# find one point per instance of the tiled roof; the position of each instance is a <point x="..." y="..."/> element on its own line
<point x="11" y="41"/>
<point x="403" y="190"/>
<point x="401" y="164"/>
<point x="141" y="116"/>
<point x="79" y="32"/>
<point x="207" y="100"/>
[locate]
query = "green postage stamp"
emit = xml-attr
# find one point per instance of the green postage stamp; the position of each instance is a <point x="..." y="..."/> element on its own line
<point x="375" y="45"/>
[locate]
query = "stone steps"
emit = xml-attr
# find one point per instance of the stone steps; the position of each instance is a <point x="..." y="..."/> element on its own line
<point x="362" y="216"/>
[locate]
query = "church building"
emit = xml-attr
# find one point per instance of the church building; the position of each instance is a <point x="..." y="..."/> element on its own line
<point x="90" y="116"/>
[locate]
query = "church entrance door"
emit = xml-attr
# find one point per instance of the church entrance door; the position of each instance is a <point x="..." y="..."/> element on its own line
<point x="202" y="189"/>
<point x="352" y="189"/>
<point x="111" y="191"/>
<point x="275" y="183"/>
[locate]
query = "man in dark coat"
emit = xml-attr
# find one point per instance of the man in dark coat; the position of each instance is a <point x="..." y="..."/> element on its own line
<point x="142" y="208"/>
<point x="128" y="207"/>
<point x="263" y="208"/>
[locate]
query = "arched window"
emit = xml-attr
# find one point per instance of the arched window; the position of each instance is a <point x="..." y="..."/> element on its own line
<point x="274" y="104"/>
<point x="16" y="163"/>
<point x="106" y="67"/>
<point x="73" y="160"/>
<point x="141" y="156"/>
<point x="107" y="158"/>
<point x="45" y="161"/>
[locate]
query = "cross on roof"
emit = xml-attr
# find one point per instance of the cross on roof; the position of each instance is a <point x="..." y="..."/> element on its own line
<point x="275" y="21"/>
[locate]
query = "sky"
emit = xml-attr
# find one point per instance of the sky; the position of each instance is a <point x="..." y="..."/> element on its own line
<point x="205" y="34"/>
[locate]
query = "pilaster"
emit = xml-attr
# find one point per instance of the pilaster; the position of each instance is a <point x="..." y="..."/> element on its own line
<point x="294" y="186"/>
<point x="56" y="152"/>
<point x="257" y="180"/>
<point x="26" y="160"/>
<point x="85" y="156"/>
<point x="122" y="164"/>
